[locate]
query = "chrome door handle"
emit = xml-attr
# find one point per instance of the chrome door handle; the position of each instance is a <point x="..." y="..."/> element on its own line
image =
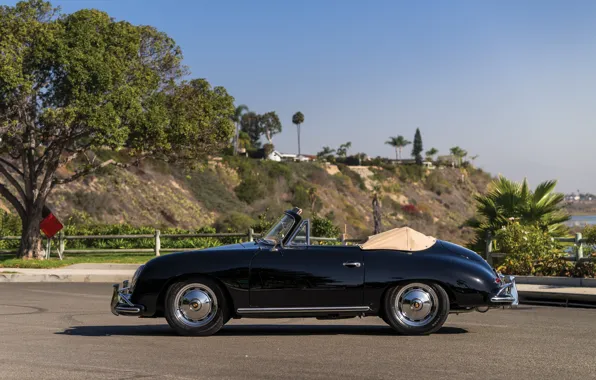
<point x="351" y="264"/>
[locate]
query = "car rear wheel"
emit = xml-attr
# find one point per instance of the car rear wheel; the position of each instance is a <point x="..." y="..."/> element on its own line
<point x="196" y="307"/>
<point x="416" y="308"/>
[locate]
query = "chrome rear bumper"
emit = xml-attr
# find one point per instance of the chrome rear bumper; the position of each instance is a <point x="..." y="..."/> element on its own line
<point x="121" y="304"/>
<point x="507" y="294"/>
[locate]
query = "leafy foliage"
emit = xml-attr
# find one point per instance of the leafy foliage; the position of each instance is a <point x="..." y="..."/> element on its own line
<point x="354" y="177"/>
<point x="83" y="81"/>
<point x="249" y="124"/>
<point x="234" y="222"/>
<point x="250" y="190"/>
<point x="301" y="197"/>
<point x="298" y="118"/>
<point x="430" y="153"/>
<point x="417" y="148"/>
<point x="324" y="227"/>
<point x="398" y="143"/>
<point x="342" y="151"/>
<point x="589" y="234"/>
<point x="530" y="251"/>
<point x="458" y="153"/>
<point x="410" y="173"/>
<point x="507" y="200"/>
<point x="255" y="126"/>
<point x="437" y="184"/>
<point x="326" y="154"/>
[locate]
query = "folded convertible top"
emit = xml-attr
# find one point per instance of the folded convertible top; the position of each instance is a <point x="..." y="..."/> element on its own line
<point x="400" y="239"/>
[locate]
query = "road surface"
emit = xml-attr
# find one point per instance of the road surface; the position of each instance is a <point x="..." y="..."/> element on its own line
<point x="66" y="331"/>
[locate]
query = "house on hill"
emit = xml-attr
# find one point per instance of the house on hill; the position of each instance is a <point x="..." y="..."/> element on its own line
<point x="279" y="157"/>
<point x="448" y="160"/>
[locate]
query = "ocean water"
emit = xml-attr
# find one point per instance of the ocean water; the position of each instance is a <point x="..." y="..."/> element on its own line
<point x="581" y="220"/>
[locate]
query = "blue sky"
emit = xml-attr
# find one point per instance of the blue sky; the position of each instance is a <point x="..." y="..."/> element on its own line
<point x="511" y="81"/>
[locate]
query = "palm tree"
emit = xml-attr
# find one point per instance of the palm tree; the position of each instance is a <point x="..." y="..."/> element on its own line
<point x="325" y="152"/>
<point x="507" y="200"/>
<point x="298" y="119"/>
<point x="342" y="151"/>
<point x="236" y="117"/>
<point x="459" y="153"/>
<point x="398" y="143"/>
<point x="430" y="153"/>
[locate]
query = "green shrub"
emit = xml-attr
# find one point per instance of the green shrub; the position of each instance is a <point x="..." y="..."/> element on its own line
<point x="234" y="222"/>
<point x="264" y="222"/>
<point x="250" y="190"/>
<point x="530" y="251"/>
<point x="524" y="239"/>
<point x="278" y="170"/>
<point x="392" y="188"/>
<point x="411" y="173"/>
<point x="589" y="234"/>
<point x="323" y="227"/>
<point x="355" y="177"/>
<point x="585" y="269"/>
<point x="437" y="184"/>
<point x="301" y="197"/>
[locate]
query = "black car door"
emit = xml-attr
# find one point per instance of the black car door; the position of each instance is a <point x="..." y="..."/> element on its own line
<point x="307" y="276"/>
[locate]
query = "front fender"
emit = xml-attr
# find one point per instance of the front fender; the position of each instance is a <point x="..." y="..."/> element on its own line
<point x="229" y="267"/>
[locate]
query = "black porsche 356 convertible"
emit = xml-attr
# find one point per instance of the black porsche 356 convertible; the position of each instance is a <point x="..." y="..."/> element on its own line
<point x="410" y="280"/>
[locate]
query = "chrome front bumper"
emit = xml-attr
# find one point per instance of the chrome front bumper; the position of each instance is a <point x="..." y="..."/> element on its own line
<point x="121" y="304"/>
<point x="507" y="294"/>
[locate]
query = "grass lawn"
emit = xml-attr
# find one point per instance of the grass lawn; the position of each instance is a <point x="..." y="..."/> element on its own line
<point x="9" y="261"/>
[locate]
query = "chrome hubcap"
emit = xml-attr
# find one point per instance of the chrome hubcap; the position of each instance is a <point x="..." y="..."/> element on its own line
<point x="416" y="304"/>
<point x="196" y="305"/>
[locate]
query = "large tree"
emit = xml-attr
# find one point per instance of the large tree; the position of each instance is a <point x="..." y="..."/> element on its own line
<point x="71" y="84"/>
<point x="417" y="147"/>
<point x="255" y="125"/>
<point x="249" y="124"/>
<point x="298" y="119"/>
<point x="270" y="125"/>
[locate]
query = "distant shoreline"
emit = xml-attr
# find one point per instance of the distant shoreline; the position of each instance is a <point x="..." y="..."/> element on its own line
<point x="582" y="213"/>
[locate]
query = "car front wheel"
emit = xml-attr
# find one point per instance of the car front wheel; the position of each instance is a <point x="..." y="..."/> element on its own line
<point x="416" y="308"/>
<point x="196" y="307"/>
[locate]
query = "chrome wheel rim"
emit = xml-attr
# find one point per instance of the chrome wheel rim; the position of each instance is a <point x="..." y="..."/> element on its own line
<point x="196" y="305"/>
<point x="416" y="304"/>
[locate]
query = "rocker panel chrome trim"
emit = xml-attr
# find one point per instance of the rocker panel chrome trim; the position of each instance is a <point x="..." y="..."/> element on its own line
<point x="266" y="310"/>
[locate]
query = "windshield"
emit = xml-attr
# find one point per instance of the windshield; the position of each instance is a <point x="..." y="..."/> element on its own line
<point x="279" y="230"/>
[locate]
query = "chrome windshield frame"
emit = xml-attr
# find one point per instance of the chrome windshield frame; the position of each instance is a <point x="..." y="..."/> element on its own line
<point x="264" y="239"/>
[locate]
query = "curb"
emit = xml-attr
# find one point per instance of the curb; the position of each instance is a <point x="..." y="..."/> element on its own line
<point x="103" y="278"/>
<point x="560" y="299"/>
<point x="571" y="282"/>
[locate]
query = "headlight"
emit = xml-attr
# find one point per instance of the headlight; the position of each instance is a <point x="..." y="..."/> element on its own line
<point x="135" y="277"/>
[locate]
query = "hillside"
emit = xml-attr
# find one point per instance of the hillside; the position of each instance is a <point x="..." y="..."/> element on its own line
<point x="232" y="193"/>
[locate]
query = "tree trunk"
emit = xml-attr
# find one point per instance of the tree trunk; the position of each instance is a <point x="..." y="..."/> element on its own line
<point x="396" y="154"/>
<point x="31" y="240"/>
<point x="376" y="215"/>
<point x="298" y="125"/>
<point x="236" y="134"/>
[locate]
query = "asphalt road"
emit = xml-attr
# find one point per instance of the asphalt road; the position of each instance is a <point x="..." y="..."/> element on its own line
<point x="66" y="331"/>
